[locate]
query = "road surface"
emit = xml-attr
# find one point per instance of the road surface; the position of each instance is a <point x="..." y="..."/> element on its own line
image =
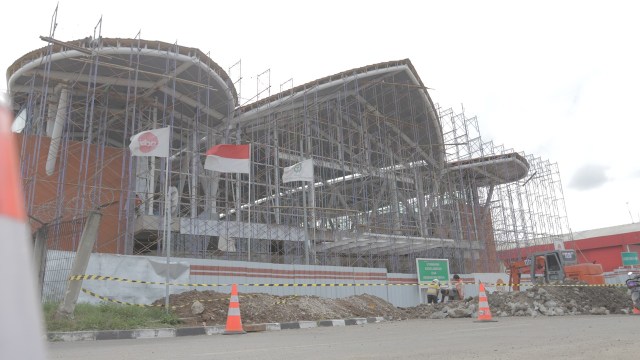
<point x="566" y="337"/>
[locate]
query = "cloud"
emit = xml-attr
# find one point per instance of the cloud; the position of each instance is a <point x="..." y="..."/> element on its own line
<point x="589" y="176"/>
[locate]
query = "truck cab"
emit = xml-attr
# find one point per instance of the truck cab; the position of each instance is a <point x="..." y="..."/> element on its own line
<point x="550" y="265"/>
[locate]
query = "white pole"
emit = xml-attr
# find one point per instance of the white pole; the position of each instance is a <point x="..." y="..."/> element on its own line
<point x="249" y="215"/>
<point x="152" y="172"/>
<point x="306" y="232"/>
<point x="167" y="233"/>
<point x="312" y="196"/>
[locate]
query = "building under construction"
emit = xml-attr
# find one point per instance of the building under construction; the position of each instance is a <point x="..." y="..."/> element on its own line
<point x="396" y="177"/>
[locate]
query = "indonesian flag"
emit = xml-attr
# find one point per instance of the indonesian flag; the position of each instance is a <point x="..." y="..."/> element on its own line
<point x="229" y="158"/>
<point x="302" y="171"/>
<point x="21" y="332"/>
<point x="151" y="143"/>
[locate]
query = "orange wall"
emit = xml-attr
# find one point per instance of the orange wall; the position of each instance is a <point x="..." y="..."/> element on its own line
<point x="42" y="189"/>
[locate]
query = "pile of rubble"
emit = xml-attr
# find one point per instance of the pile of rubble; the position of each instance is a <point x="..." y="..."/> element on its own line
<point x="561" y="300"/>
<point x="210" y="307"/>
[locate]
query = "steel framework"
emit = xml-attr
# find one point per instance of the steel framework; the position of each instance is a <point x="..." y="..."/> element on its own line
<point x="396" y="177"/>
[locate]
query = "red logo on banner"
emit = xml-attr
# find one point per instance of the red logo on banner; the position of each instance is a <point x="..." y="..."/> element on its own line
<point x="148" y="142"/>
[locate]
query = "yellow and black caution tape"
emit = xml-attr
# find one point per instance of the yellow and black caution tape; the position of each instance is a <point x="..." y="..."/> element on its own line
<point x="108" y="299"/>
<point x="112" y="278"/>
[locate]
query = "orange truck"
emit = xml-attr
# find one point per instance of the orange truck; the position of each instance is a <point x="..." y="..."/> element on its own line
<point x="554" y="266"/>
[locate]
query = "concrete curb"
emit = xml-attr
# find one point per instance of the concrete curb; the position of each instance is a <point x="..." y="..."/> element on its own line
<point x="202" y="330"/>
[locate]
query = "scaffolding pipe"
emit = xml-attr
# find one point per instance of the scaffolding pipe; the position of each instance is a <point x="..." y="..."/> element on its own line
<point x="56" y="134"/>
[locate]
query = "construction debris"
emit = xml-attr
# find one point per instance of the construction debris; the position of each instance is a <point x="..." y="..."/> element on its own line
<point x="264" y="308"/>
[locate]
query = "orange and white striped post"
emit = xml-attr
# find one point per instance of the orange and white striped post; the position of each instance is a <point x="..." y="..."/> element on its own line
<point x="21" y="332"/>
<point x="234" y="322"/>
<point x="484" y="313"/>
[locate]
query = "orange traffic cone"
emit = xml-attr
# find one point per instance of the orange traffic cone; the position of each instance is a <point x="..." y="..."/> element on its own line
<point x="635" y="311"/>
<point x="234" y="323"/>
<point x="484" y="313"/>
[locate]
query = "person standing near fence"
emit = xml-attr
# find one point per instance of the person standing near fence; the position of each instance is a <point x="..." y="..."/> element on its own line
<point x="458" y="285"/>
<point x="433" y="288"/>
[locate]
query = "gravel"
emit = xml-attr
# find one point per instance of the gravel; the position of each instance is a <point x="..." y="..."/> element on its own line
<point x="197" y="308"/>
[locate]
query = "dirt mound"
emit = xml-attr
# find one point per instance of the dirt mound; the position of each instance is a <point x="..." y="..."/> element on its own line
<point x="561" y="300"/>
<point x="210" y="307"/>
<point x="265" y="308"/>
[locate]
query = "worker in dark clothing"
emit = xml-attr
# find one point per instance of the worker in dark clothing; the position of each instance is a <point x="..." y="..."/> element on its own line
<point x="458" y="286"/>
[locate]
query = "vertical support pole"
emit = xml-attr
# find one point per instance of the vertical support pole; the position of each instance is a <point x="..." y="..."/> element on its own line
<point x="249" y="211"/>
<point x="40" y="254"/>
<point x="306" y="227"/>
<point x="167" y="234"/>
<point x="87" y="240"/>
<point x="152" y="170"/>
<point x="276" y="169"/>
<point x="56" y="133"/>
<point x="195" y="160"/>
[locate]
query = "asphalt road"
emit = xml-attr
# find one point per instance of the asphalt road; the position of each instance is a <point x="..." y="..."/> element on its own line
<point x="566" y="337"/>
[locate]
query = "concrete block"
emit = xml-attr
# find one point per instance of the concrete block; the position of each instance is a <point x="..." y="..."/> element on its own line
<point x="328" y="323"/>
<point x="307" y="324"/>
<point x="153" y="333"/>
<point x="71" y="336"/>
<point x="191" y="331"/>
<point x="376" y="319"/>
<point x="255" y="327"/>
<point x="125" y="334"/>
<point x="290" y="325"/>
<point x="107" y="335"/>
<point x="273" y="326"/>
<point x="355" y="321"/>
<point x="214" y="330"/>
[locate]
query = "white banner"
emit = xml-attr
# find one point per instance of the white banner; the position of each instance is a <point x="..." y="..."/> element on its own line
<point x="302" y="171"/>
<point x="151" y="143"/>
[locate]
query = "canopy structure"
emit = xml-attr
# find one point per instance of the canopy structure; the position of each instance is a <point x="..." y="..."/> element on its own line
<point x="395" y="176"/>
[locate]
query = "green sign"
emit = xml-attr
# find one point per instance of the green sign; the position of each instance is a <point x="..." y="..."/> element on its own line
<point x="429" y="269"/>
<point x="629" y="258"/>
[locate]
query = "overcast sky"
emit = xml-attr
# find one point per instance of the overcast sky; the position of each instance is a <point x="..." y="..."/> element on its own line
<point x="558" y="79"/>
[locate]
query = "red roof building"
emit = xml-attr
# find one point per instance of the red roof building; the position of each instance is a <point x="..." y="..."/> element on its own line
<point x="603" y="246"/>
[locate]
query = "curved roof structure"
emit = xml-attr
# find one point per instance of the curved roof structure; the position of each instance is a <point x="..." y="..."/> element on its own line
<point x="492" y="169"/>
<point x="394" y="176"/>
<point x="116" y="68"/>
<point x="390" y="90"/>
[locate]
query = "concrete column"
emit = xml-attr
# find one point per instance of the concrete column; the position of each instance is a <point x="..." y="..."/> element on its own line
<point x="56" y="134"/>
<point x="87" y="240"/>
<point x="40" y="254"/>
<point x="423" y="215"/>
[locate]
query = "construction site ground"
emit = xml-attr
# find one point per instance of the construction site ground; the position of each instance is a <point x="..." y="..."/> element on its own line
<point x="524" y="338"/>
<point x="199" y="308"/>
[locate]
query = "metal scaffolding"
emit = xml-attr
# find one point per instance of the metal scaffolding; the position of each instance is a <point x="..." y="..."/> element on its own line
<point x="395" y="176"/>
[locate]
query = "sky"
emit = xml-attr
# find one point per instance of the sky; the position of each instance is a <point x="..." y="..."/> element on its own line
<point x="557" y="79"/>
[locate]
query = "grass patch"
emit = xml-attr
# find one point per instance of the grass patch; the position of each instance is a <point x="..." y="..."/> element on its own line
<point x="109" y="317"/>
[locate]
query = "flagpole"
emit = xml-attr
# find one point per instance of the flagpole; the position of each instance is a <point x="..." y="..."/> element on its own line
<point x="306" y="232"/>
<point x="312" y="245"/>
<point x="249" y="215"/>
<point x="167" y="234"/>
